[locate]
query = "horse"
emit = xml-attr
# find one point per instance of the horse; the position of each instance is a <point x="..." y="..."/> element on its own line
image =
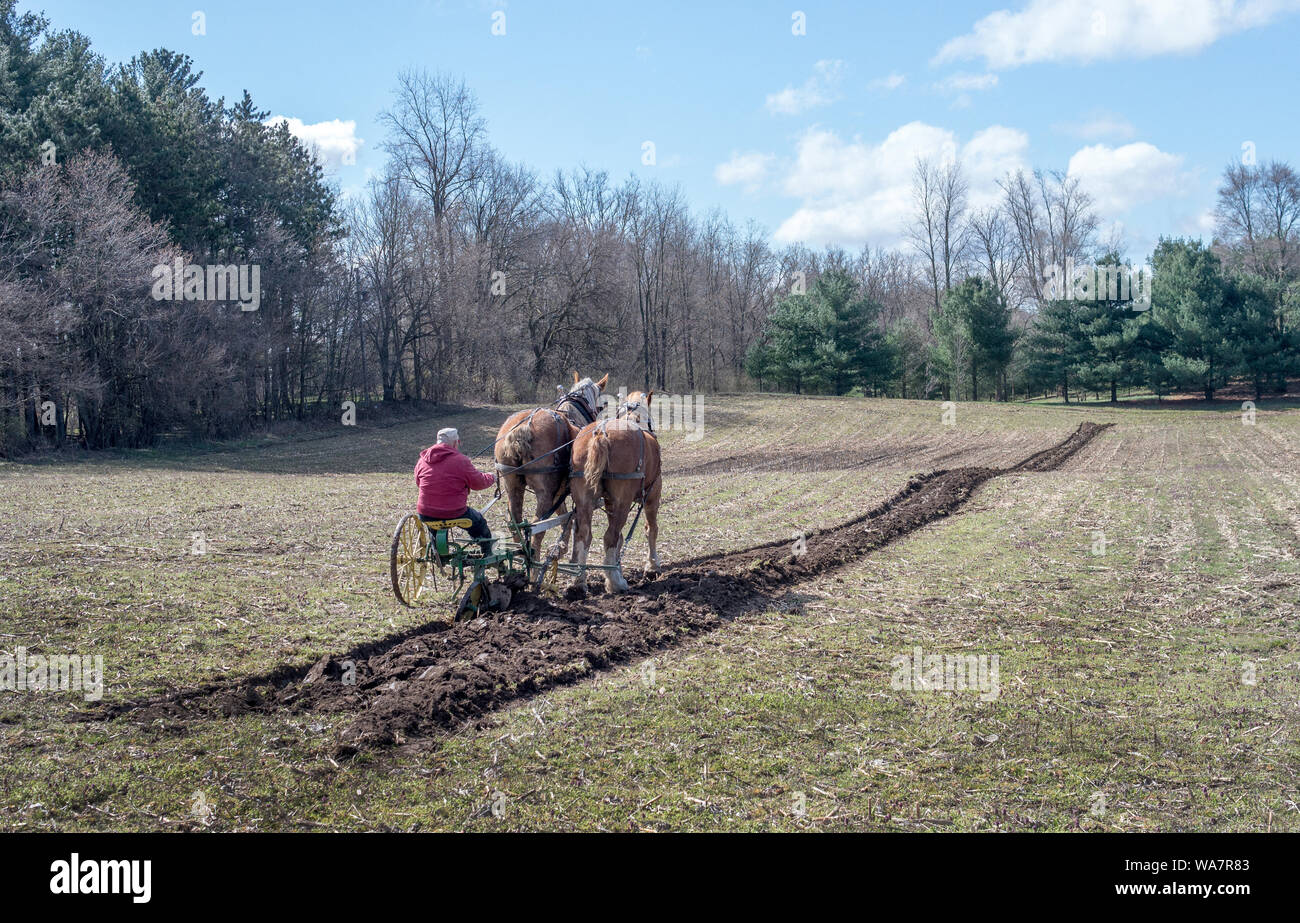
<point x="618" y="461"/>
<point x="533" y="448"/>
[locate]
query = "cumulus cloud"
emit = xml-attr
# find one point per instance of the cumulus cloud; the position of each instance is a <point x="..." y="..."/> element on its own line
<point x="856" y="192"/>
<point x="967" y="83"/>
<point x="335" y="142"/>
<point x="1119" y="178"/>
<point x="891" y="82"/>
<point x="818" y="90"/>
<point x="1200" y="224"/>
<point x="748" y="169"/>
<point x="1095" y="30"/>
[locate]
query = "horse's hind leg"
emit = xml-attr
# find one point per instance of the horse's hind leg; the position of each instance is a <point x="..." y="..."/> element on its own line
<point x="545" y="502"/>
<point x="545" y="498"/>
<point x="567" y="529"/>
<point x="652" y="535"/>
<point x="514" y="484"/>
<point x="581" y="520"/>
<point x="614" y="581"/>
<point x="560" y="489"/>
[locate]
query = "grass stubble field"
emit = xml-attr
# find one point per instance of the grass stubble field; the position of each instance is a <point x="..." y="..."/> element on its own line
<point x="1152" y="686"/>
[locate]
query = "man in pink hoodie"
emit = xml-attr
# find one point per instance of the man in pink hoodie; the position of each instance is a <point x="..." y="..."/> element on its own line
<point x="445" y="477"/>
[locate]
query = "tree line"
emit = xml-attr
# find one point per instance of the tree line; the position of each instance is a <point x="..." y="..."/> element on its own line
<point x="1023" y="298"/>
<point x="457" y="275"/>
<point x="460" y="275"/>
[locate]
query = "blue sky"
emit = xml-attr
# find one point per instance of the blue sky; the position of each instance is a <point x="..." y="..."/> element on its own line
<point x="812" y="135"/>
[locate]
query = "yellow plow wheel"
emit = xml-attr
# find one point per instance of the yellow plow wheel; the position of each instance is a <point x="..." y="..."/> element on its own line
<point x="408" y="559"/>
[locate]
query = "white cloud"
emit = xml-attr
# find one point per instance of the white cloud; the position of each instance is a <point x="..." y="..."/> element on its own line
<point x="1200" y="224"/>
<point x="1119" y="178"/>
<point x="967" y="83"/>
<point x="1098" y="125"/>
<point x="748" y="169"/>
<point x="1095" y="30"/>
<point x="335" y="142"/>
<point x="857" y="192"/>
<point x="988" y="157"/>
<point x="892" y="82"/>
<point x="817" y="90"/>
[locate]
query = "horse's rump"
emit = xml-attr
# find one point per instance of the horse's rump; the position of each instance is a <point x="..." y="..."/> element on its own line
<point x="517" y="447"/>
<point x="530" y="435"/>
<point x="613" y="450"/>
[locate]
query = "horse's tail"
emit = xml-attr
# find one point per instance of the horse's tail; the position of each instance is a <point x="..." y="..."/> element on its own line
<point x="597" y="461"/>
<point x="519" y="443"/>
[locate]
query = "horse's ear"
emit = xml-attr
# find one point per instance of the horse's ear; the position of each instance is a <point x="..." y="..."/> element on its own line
<point x="575" y="377"/>
<point x="648" y="395"/>
<point x="601" y="384"/>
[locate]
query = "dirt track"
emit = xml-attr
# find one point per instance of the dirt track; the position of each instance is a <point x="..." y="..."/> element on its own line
<point x="441" y="676"/>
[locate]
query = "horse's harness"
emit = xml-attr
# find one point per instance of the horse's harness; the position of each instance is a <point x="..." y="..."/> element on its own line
<point x="630" y="407"/>
<point x="563" y="450"/>
<point x="603" y="429"/>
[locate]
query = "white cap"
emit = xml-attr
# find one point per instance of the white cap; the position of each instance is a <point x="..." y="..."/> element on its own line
<point x="448" y="436"/>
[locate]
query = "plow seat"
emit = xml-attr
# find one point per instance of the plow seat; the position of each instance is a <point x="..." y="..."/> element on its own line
<point x="440" y="533"/>
<point x="437" y="524"/>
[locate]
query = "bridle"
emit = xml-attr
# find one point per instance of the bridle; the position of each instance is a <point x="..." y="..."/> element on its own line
<point x="578" y="400"/>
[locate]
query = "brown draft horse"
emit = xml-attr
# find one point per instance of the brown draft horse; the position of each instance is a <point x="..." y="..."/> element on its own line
<point x="532" y="451"/>
<point x="618" y="461"/>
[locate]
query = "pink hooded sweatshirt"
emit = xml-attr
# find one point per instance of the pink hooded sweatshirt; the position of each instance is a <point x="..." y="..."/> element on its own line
<point x="445" y="477"/>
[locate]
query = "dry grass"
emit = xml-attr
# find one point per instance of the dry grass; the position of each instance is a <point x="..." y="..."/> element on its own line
<point x="1120" y="674"/>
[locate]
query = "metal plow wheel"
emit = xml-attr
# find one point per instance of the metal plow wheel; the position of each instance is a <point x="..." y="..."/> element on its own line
<point x="408" y="559"/>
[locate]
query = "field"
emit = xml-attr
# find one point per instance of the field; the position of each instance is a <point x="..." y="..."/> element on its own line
<point x="1141" y="596"/>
